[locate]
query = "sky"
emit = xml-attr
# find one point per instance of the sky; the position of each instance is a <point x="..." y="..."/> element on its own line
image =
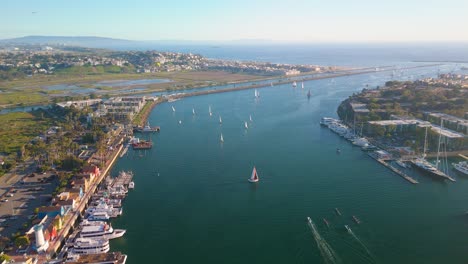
<point x="218" y="20"/>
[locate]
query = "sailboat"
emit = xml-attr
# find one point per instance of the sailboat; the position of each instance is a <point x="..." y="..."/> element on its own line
<point x="254" y="177"/>
<point x="193" y="111"/>
<point x="308" y="94"/>
<point x="221" y="139"/>
<point x="250" y="118"/>
<point x="209" y="110"/>
<point x="424" y="165"/>
<point x="256" y="94"/>
<point x="302" y="85"/>
<point x="294" y="84"/>
<point x="220" y="120"/>
<point x="173" y="109"/>
<point x="271" y="84"/>
<point x="245" y="125"/>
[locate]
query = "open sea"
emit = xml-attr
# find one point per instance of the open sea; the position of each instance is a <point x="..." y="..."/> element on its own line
<point x="192" y="202"/>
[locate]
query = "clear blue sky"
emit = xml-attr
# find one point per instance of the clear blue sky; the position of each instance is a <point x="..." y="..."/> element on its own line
<point x="285" y="20"/>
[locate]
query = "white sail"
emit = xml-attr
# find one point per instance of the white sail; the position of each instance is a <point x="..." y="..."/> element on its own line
<point x="209" y="110"/>
<point x="193" y="111"/>
<point x="257" y="94"/>
<point x="250" y="118"/>
<point x="294" y="84"/>
<point x="222" y="139"/>
<point x="302" y="85"/>
<point x="245" y="125"/>
<point x="173" y="109"/>
<point x="254" y="176"/>
<point x="220" y="120"/>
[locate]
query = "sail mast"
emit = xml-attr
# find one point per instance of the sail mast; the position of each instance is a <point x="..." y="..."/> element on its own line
<point x="438" y="146"/>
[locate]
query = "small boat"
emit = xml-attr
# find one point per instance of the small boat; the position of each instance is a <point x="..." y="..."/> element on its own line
<point x="337" y="211"/>
<point x="173" y="109"/>
<point x="180" y="121"/>
<point x="302" y="85"/>
<point x="338" y="150"/>
<point x="193" y="111"/>
<point x="294" y="84"/>
<point x="326" y="222"/>
<point x="220" y="120"/>
<point x="308" y="94"/>
<point x="209" y="110"/>
<point x="221" y="139"/>
<point x="250" y="118"/>
<point x="347" y="228"/>
<point x="245" y="125"/>
<point x="131" y="185"/>
<point x="257" y="95"/>
<point x="401" y="163"/>
<point x="356" y="220"/>
<point x="254" y="177"/>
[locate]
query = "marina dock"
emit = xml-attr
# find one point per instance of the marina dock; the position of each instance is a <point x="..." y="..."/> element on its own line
<point x="395" y="170"/>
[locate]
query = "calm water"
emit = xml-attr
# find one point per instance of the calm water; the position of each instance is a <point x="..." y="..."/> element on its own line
<point x="193" y="204"/>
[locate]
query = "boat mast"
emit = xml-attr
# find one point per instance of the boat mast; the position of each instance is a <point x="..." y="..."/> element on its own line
<point x="425" y="144"/>
<point x="438" y="146"/>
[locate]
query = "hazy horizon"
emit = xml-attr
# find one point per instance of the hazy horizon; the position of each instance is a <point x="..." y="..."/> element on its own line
<point x="296" y="21"/>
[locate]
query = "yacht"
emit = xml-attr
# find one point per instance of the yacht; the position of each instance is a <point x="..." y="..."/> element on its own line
<point x="90" y="246"/>
<point x="426" y="166"/>
<point x="103" y="207"/>
<point x="401" y="163"/>
<point x="100" y="230"/>
<point x="327" y="121"/>
<point x="98" y="216"/>
<point x="462" y="167"/>
<point x="361" y="142"/>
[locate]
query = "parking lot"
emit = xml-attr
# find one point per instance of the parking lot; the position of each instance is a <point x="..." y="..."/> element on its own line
<point x="18" y="202"/>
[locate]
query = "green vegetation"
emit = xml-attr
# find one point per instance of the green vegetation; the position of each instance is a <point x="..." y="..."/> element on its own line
<point x="95" y="70"/>
<point x="141" y="116"/>
<point x="19" y="128"/>
<point x="22" y="241"/>
<point x="4" y="257"/>
<point x="21" y="98"/>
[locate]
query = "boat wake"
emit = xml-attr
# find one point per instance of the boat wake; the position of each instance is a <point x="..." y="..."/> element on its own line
<point x="362" y="244"/>
<point x="328" y="254"/>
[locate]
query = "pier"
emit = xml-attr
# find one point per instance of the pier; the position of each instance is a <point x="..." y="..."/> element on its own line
<point x="395" y="170"/>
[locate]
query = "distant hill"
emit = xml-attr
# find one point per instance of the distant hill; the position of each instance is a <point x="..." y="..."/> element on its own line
<point x="84" y="41"/>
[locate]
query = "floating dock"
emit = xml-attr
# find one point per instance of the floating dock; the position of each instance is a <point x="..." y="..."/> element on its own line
<point x="395" y="170"/>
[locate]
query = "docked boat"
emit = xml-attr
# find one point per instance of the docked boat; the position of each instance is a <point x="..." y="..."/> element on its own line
<point x="401" y="163"/>
<point x="254" y="176"/>
<point x="100" y="230"/>
<point x="98" y="216"/>
<point x="142" y="144"/>
<point x="104" y="208"/>
<point x="148" y="128"/>
<point x="131" y="185"/>
<point x="327" y="121"/>
<point x="361" y="142"/>
<point x="462" y="167"/>
<point x="83" y="246"/>
<point x="425" y="166"/>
